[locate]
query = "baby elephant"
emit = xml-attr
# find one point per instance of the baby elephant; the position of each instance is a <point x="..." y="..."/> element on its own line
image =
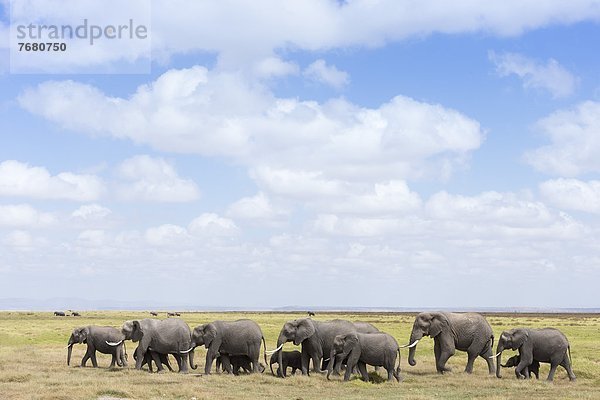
<point x="534" y="367"/>
<point x="289" y="359"/>
<point x="105" y="339"/>
<point x="151" y="356"/>
<point x="376" y="349"/>
<point x="233" y="364"/>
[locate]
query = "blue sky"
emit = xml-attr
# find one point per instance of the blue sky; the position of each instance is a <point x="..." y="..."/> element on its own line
<point x="316" y="153"/>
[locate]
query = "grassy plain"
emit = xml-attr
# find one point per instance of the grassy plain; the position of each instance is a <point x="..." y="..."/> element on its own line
<point x="33" y="364"/>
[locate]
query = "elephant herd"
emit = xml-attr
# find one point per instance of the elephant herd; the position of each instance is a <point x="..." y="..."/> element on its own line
<point x="330" y="345"/>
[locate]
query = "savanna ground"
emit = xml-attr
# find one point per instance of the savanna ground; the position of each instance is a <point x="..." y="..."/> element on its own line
<point x="33" y="364"/>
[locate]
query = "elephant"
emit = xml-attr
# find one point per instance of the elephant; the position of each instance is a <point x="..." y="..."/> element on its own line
<point x="361" y="327"/>
<point x="234" y="338"/>
<point x="534" y="367"/>
<point x="233" y="364"/>
<point x="316" y="338"/>
<point x="168" y="336"/>
<point x="154" y="313"/>
<point x="59" y="314"/>
<point x="105" y="339"/>
<point x="75" y="314"/>
<point x="377" y="349"/>
<point x="547" y="345"/>
<point x="468" y="332"/>
<point x="291" y="359"/>
<point x="157" y="358"/>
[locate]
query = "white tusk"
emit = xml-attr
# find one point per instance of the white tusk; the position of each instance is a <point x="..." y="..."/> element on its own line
<point x="274" y="351"/>
<point x="187" y="351"/>
<point x="495" y="355"/>
<point x="326" y="359"/>
<point x="114" y="343"/>
<point x="69" y="346"/>
<point x="410" y="345"/>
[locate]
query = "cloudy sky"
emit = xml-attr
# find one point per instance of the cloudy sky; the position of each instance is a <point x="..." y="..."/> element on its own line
<point x="319" y="153"/>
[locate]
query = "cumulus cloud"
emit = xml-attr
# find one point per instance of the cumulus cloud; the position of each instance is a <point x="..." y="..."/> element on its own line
<point x="329" y="75"/>
<point x="572" y="194"/>
<point x="210" y="224"/>
<point x="91" y="212"/>
<point x="258" y="207"/>
<point x="23" y="215"/>
<point x="221" y="114"/>
<point x="551" y="76"/>
<point x="574" y="141"/>
<point x="154" y="179"/>
<point x="22" y="180"/>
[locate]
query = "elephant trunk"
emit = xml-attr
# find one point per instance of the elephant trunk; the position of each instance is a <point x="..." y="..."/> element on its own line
<point x="499" y="351"/>
<point x="70" y="349"/>
<point x="271" y="362"/>
<point x="191" y="355"/>
<point x="415" y="336"/>
<point x="331" y="362"/>
<point x="280" y="341"/>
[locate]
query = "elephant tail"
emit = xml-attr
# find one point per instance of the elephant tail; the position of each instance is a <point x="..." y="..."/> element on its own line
<point x="398" y="369"/>
<point x="125" y="350"/>
<point x="570" y="359"/>
<point x="492" y="348"/>
<point x="265" y="352"/>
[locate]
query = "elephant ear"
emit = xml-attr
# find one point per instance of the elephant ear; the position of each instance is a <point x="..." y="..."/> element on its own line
<point x="350" y="342"/>
<point x="136" y="331"/>
<point x="520" y="336"/>
<point x="305" y="330"/>
<point x="439" y="323"/>
<point x="210" y="333"/>
<point x="83" y="334"/>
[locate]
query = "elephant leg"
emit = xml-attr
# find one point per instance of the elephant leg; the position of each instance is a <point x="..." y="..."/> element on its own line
<point x="362" y="368"/>
<point x="486" y="354"/>
<point x="184" y="369"/>
<point x="156" y="358"/>
<point x="444" y="356"/>
<point x="471" y="356"/>
<point x="113" y="361"/>
<point x="140" y="355"/>
<point x="305" y="362"/>
<point x="553" y="367"/>
<point x="437" y="351"/>
<point x="337" y="366"/>
<point x="316" y="363"/>
<point x="94" y="361"/>
<point x="567" y="366"/>
<point x="210" y="356"/>
<point x="86" y="356"/>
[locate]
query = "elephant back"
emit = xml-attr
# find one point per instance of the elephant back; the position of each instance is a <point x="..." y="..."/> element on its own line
<point x="238" y="336"/>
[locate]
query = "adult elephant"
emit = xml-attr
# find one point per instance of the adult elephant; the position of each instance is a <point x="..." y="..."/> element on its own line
<point x="234" y="338"/>
<point x="168" y="336"/>
<point x="468" y="332"/>
<point x="316" y="338"/>
<point x="105" y="339"/>
<point x="547" y="345"/>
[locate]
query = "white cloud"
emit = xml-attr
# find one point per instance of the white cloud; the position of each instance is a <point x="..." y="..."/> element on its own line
<point x="167" y="235"/>
<point x="552" y="76"/>
<point x="575" y="143"/>
<point x="91" y="212"/>
<point x="154" y="179"/>
<point x="572" y="194"/>
<point x="21" y="180"/>
<point x="275" y="67"/>
<point x="18" y="239"/>
<point x="329" y="75"/>
<point x="23" y="215"/>
<point x="385" y="198"/>
<point x="258" y="207"/>
<point x="222" y="114"/>
<point x="210" y="224"/>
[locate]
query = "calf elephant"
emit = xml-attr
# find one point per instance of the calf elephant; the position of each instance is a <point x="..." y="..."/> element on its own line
<point x="377" y="349"/>
<point x="234" y="338"/>
<point x="291" y="359"/>
<point x="547" y="345"/>
<point x="168" y="336"/>
<point x="534" y="367"/>
<point x="316" y="338"/>
<point x="468" y="332"/>
<point x="105" y="339"/>
<point x="157" y="358"/>
<point x="233" y="364"/>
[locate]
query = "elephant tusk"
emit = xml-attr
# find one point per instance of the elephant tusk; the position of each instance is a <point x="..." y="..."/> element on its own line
<point x="71" y="345"/>
<point x="274" y="351"/>
<point x="327" y="359"/>
<point x="114" y="343"/>
<point x="495" y="355"/>
<point x="410" y="345"/>
<point x="187" y="351"/>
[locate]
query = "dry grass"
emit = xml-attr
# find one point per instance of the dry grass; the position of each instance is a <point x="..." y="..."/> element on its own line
<point x="33" y="364"/>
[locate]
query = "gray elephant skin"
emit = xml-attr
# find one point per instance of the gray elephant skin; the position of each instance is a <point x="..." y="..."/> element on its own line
<point x="316" y="338"/>
<point x="234" y="338"/>
<point x="152" y="356"/>
<point x="468" y="332"/>
<point x="105" y="339"/>
<point x="233" y="364"/>
<point x="168" y="336"/>
<point x="547" y="345"/>
<point x="534" y="367"/>
<point x="376" y="349"/>
<point x="292" y="359"/>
